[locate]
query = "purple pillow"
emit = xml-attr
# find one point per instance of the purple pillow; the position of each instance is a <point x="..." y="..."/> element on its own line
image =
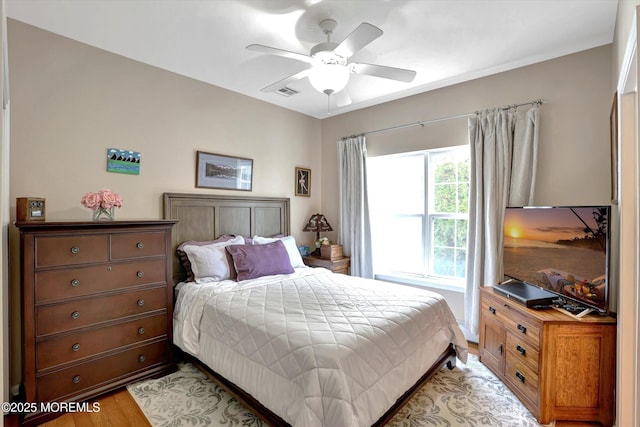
<point x="253" y="261"/>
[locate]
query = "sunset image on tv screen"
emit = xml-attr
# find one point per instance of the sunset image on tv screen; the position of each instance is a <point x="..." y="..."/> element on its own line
<point x="561" y="249"/>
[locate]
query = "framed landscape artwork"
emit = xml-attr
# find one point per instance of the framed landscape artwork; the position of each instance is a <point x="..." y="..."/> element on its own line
<point x="123" y="161"/>
<point x="226" y="172"/>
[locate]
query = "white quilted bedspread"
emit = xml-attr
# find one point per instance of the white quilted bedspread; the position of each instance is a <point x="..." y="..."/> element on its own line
<point x="317" y="348"/>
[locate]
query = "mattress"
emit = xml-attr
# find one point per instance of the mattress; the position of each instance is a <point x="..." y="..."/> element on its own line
<point x="317" y="348"/>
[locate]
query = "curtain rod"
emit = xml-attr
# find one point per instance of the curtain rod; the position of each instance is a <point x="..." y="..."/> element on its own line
<point x="459" y="116"/>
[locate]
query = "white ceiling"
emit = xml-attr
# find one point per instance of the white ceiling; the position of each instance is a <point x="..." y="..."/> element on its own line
<point x="445" y="41"/>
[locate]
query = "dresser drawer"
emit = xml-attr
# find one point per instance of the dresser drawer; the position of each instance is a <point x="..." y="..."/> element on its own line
<point x="492" y="309"/>
<point x="57" y="385"/>
<point x="522" y="378"/>
<point x="523" y="328"/>
<point x="61" y="284"/>
<point x="137" y="245"/>
<point x="70" y="250"/>
<point x="523" y="351"/>
<point x="512" y="319"/>
<point x="80" y="313"/>
<point x="69" y="348"/>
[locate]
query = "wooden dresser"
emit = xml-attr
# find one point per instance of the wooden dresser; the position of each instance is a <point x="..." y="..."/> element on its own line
<point x="97" y="301"/>
<point x="560" y="367"/>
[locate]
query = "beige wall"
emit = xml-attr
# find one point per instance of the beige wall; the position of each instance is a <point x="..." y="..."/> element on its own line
<point x="85" y="100"/>
<point x="70" y="102"/>
<point x="574" y="145"/>
<point x="573" y="161"/>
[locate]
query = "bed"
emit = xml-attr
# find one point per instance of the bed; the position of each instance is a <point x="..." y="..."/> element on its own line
<point x="301" y="346"/>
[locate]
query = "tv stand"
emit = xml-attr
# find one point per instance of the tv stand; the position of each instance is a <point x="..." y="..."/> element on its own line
<point x="561" y="367"/>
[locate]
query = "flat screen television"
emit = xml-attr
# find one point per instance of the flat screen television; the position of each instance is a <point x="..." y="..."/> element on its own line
<point x="564" y="250"/>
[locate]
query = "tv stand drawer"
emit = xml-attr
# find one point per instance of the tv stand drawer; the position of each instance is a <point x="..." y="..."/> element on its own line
<point x="510" y="315"/>
<point x="521" y="378"/>
<point x="561" y="367"/>
<point x="523" y="351"/>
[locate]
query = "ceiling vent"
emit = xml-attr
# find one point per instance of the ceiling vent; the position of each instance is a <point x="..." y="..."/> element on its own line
<point x="287" y="91"/>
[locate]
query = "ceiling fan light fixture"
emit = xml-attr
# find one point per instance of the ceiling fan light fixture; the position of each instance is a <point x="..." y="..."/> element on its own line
<point x="330" y="67"/>
<point x="329" y="78"/>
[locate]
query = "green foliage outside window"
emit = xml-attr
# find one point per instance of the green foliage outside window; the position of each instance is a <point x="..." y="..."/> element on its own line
<point x="451" y="196"/>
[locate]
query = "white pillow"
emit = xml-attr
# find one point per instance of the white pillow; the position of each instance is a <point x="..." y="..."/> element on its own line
<point x="212" y="261"/>
<point x="289" y="244"/>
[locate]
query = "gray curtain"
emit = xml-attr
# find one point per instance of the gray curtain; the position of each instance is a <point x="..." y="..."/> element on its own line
<point x="504" y="148"/>
<point x="355" y="232"/>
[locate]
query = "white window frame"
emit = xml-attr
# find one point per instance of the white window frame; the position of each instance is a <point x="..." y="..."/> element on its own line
<point x="428" y="216"/>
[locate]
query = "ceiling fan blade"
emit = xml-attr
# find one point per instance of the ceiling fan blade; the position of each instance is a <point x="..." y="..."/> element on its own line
<point x="392" y="73"/>
<point x="342" y="98"/>
<point x="274" y="87"/>
<point x="359" y="38"/>
<point x="279" y="52"/>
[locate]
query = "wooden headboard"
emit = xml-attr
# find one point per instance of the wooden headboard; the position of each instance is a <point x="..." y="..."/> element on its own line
<point x="205" y="217"/>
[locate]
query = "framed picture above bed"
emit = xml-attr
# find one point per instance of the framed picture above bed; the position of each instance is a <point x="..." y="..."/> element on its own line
<point x="225" y="172"/>
<point x="303" y="182"/>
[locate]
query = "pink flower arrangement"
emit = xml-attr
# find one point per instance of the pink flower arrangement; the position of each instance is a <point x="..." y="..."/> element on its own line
<point x="105" y="199"/>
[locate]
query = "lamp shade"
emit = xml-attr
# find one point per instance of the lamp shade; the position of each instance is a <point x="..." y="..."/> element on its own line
<point x="317" y="223"/>
<point x="329" y="78"/>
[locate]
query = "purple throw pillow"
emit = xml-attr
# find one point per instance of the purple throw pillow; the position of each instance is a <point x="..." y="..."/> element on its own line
<point x="253" y="261"/>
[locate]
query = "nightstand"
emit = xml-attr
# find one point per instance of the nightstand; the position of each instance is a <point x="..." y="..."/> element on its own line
<point x="337" y="265"/>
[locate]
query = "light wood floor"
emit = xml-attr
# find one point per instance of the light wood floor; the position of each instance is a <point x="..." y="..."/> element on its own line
<point x="118" y="409"/>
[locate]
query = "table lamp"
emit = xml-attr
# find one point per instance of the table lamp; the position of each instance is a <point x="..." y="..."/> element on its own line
<point x="317" y="223"/>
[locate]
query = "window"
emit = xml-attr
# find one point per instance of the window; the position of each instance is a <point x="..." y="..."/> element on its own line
<point x="419" y="214"/>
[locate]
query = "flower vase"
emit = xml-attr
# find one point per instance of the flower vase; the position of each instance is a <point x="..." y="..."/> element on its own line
<point x="104" y="214"/>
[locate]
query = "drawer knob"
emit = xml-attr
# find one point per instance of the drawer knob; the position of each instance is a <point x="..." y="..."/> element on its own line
<point x="521" y="350"/>
<point x="75" y="314"/>
<point x="141" y="358"/>
<point x="75" y="250"/>
<point x="75" y="347"/>
<point x="140" y="331"/>
<point x="75" y="282"/>
<point x="140" y="273"/>
<point x="140" y="302"/>
<point x="520" y="377"/>
<point x="140" y="245"/>
<point x="522" y="328"/>
<point x="76" y="379"/>
<point x="492" y="310"/>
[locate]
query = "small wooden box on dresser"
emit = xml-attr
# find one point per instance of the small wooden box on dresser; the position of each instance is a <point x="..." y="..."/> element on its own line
<point x="560" y="367"/>
<point x="97" y="307"/>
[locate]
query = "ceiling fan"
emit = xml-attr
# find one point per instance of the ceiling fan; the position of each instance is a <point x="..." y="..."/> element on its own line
<point x="330" y="70"/>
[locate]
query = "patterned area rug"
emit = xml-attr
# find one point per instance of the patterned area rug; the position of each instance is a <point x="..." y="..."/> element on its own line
<point x="469" y="395"/>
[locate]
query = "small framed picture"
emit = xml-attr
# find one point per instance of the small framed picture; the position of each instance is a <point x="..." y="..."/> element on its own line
<point x="123" y="161"/>
<point x="226" y="172"/>
<point x="303" y="182"/>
